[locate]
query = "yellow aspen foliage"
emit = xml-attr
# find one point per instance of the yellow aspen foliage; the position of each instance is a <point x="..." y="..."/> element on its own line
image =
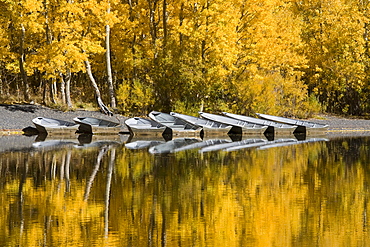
<point x="198" y="55"/>
<point x="335" y="47"/>
<point x="22" y="26"/>
<point x="75" y="32"/>
<point x="270" y="60"/>
<point x="141" y="96"/>
<point x="4" y="41"/>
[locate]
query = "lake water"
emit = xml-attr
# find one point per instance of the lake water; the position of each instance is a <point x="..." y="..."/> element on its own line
<point x="97" y="191"/>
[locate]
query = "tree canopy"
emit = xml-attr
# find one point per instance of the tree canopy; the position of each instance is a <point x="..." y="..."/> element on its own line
<point x="289" y="58"/>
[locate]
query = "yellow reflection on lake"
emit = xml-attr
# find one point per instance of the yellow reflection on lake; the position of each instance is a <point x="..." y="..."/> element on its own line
<point x="307" y="194"/>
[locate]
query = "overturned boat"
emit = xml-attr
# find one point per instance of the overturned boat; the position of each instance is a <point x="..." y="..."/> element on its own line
<point x="142" y="126"/>
<point x="275" y="128"/>
<point x="56" y="126"/>
<point x="90" y="125"/>
<point x="210" y="127"/>
<point x="308" y="127"/>
<point x="178" y="126"/>
<point x="245" y="128"/>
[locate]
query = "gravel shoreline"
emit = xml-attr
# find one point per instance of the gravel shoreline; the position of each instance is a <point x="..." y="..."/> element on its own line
<point x="13" y="118"/>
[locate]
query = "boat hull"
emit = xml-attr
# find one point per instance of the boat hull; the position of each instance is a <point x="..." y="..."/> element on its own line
<point x="91" y="125"/>
<point x="179" y="132"/>
<point x="277" y="129"/>
<point x="216" y="132"/>
<point x="89" y="129"/>
<point x="179" y="127"/>
<point x="146" y="127"/>
<point x="240" y="127"/>
<point x="309" y="128"/>
<point x="210" y="128"/>
<point x="54" y="126"/>
<point x="147" y="131"/>
<point x="253" y="131"/>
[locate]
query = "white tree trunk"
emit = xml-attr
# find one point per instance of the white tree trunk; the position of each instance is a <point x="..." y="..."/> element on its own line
<point x="109" y="67"/>
<point x="66" y="88"/>
<point x="26" y="92"/>
<point x="101" y="105"/>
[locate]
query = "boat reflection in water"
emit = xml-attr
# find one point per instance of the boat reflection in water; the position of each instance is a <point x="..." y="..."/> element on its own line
<point x="158" y="144"/>
<point x="143" y="142"/>
<point x="186" y="191"/>
<point x="78" y="141"/>
<point x="173" y="145"/>
<point x="212" y="144"/>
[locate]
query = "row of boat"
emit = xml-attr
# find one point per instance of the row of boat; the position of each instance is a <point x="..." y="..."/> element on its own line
<point x="211" y="124"/>
<point x="87" y="125"/>
<point x="175" y="124"/>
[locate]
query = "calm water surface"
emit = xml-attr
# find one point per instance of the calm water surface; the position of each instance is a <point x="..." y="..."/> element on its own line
<point x="95" y="191"/>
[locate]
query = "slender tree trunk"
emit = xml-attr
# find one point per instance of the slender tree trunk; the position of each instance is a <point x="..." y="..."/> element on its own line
<point x="134" y="68"/>
<point x="49" y="39"/>
<point x="54" y="90"/>
<point x="164" y="24"/>
<point x="109" y="67"/>
<point x="181" y="18"/>
<point x="1" y="85"/>
<point x="26" y="90"/>
<point x="68" y="89"/>
<point x="101" y="105"/>
<point x="62" y="89"/>
<point x="45" y="92"/>
<point x="65" y="88"/>
<point x="133" y="43"/>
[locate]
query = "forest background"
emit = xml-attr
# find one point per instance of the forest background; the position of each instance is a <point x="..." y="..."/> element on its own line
<point x="291" y="58"/>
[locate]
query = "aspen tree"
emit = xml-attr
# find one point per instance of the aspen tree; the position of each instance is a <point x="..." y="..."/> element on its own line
<point x="335" y="48"/>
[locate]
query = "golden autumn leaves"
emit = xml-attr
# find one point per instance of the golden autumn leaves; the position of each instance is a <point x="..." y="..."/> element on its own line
<point x="280" y="57"/>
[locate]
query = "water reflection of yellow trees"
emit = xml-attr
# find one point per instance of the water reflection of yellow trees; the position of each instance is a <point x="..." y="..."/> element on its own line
<point x="43" y="200"/>
<point x="301" y="195"/>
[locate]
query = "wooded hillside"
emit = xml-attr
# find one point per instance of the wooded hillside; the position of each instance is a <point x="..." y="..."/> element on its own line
<point x="273" y="56"/>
